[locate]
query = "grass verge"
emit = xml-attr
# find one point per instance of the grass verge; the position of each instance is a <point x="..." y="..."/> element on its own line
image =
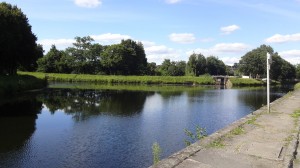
<point x="245" y="82"/>
<point x="98" y="79"/>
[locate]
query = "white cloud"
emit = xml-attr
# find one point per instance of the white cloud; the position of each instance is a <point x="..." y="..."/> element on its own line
<point x="157" y="53"/>
<point x="59" y="43"/>
<point x="206" y="40"/>
<point x="110" y="38"/>
<point x="183" y="38"/>
<point x="172" y="1"/>
<point x="278" y="38"/>
<point x="105" y="39"/>
<point x="229" y="29"/>
<point x="229" y="53"/>
<point x="293" y="56"/>
<point x="230" y="47"/>
<point x="88" y="3"/>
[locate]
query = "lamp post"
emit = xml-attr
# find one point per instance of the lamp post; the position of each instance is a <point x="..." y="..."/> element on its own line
<point x="269" y="61"/>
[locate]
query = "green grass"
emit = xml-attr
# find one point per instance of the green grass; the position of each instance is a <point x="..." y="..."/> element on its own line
<point x="297" y="86"/>
<point x="296" y="114"/>
<point x="10" y="85"/>
<point x="218" y="143"/>
<point x="245" y="82"/>
<point x="237" y="131"/>
<point x="98" y="79"/>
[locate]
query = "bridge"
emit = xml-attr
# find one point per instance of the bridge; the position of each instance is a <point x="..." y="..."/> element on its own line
<point x="221" y="80"/>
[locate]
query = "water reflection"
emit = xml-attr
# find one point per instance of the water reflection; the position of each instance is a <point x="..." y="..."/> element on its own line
<point x="114" y="128"/>
<point x="83" y="104"/>
<point x="17" y="122"/>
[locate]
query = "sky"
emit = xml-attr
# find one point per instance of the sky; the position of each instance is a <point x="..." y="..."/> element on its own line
<point x="171" y="29"/>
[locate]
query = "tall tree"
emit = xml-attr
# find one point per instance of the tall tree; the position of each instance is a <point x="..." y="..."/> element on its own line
<point x="18" y="43"/>
<point x="86" y="55"/>
<point x="117" y="60"/>
<point x="298" y="71"/>
<point x="253" y="63"/>
<point x="139" y="60"/>
<point x="196" y="64"/>
<point x="214" y="66"/>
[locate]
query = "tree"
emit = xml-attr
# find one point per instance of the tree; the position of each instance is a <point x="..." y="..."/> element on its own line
<point x="173" y="68"/>
<point x="18" y="43"/>
<point x="214" y="66"/>
<point x="196" y="64"/>
<point x="126" y="58"/>
<point x="55" y="61"/>
<point x="253" y="63"/>
<point x="151" y="69"/>
<point x="139" y="59"/>
<point x="117" y="60"/>
<point x="86" y="55"/>
<point x="298" y="71"/>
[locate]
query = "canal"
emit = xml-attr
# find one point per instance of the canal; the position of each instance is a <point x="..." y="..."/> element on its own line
<point x="114" y="126"/>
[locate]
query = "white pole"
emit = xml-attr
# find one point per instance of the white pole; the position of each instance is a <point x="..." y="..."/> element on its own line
<point x="268" y="81"/>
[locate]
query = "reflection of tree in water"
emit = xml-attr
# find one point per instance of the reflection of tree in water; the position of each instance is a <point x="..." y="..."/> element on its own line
<point x="254" y="97"/>
<point x="17" y="122"/>
<point x="84" y="103"/>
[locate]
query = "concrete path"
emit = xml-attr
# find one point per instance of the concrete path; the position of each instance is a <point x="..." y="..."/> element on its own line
<point x="261" y="139"/>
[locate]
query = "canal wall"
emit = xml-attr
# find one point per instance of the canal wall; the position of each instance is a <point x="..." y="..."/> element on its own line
<point x="260" y="139"/>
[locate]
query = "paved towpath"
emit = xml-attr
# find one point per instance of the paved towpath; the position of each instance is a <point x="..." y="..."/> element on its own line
<point x="261" y="139"/>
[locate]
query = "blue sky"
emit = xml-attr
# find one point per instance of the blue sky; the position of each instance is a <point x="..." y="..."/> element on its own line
<point x="171" y="29"/>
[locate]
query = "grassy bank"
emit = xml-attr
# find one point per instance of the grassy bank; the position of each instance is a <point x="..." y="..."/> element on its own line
<point x="148" y="88"/>
<point x="98" y="79"/>
<point x="10" y="85"/>
<point x="245" y="82"/>
<point x="297" y="86"/>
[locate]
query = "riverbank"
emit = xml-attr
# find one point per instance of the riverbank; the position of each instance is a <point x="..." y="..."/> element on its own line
<point x="201" y="80"/>
<point x="10" y="85"/>
<point x="111" y="79"/>
<point x="260" y="139"/>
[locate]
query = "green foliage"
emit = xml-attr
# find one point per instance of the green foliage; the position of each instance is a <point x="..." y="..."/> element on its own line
<point x="156" y="151"/>
<point x="214" y="66"/>
<point x="297" y="86"/>
<point x="298" y="71"/>
<point x="253" y="64"/>
<point x="201" y="80"/>
<point x="200" y="134"/>
<point x="18" y="43"/>
<point x="168" y="68"/>
<point x="126" y="58"/>
<point x="245" y="82"/>
<point x="196" y="65"/>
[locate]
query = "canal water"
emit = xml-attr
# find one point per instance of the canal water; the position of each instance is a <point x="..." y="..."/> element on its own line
<point x="109" y="127"/>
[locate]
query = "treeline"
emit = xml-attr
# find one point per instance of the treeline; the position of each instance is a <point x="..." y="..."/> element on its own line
<point x="253" y="64"/>
<point x="126" y="58"/>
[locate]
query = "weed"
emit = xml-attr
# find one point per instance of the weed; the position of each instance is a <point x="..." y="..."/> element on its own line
<point x="252" y="120"/>
<point x="237" y="131"/>
<point x="296" y="114"/>
<point x="218" y="143"/>
<point x="200" y="134"/>
<point x="156" y="151"/>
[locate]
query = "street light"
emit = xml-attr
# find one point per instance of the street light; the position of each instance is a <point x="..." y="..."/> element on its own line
<point x="269" y="62"/>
